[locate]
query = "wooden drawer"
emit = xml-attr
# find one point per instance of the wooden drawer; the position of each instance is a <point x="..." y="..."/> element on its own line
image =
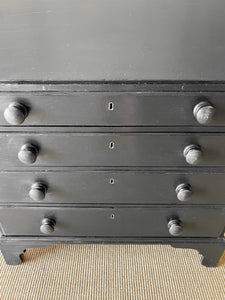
<point x="108" y="149"/>
<point x="144" y="221"/>
<point x="111" y="187"/>
<point x="113" y="108"/>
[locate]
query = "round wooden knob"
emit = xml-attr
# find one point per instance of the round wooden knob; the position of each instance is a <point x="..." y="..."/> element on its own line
<point x="28" y="154"/>
<point x="192" y="154"/>
<point x="38" y="191"/>
<point x="204" y="112"/>
<point x="175" y="228"/>
<point x="183" y="191"/>
<point x="15" y="113"/>
<point x="47" y="226"/>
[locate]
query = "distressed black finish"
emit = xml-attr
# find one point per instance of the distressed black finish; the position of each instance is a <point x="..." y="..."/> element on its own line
<point x="125" y="108"/>
<point x="112" y="186"/>
<point x="113" y="180"/>
<point x="210" y="249"/>
<point x="98" y="101"/>
<point x="136" y="221"/>
<point x="110" y="149"/>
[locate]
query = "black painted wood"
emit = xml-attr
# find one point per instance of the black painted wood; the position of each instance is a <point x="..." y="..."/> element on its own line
<point x="113" y="108"/>
<point x="113" y="221"/>
<point x="112" y="187"/>
<point x="210" y="249"/>
<point x="112" y="150"/>
<point x="210" y="253"/>
<point x="148" y="161"/>
<point x="100" y="40"/>
<point x="68" y="86"/>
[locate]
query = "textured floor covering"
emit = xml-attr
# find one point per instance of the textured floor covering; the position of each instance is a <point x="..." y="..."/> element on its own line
<point x="83" y="272"/>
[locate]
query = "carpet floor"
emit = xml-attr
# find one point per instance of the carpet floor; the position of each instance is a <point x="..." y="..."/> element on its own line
<point x="111" y="272"/>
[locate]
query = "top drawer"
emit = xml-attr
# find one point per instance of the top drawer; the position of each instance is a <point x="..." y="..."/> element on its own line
<point x="112" y="109"/>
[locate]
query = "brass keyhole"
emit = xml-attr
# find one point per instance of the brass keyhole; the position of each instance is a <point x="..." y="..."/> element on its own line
<point x="111" y="145"/>
<point x="111" y="106"/>
<point x="112" y="181"/>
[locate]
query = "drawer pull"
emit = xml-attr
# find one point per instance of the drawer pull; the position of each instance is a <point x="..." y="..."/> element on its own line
<point x="47" y="226"/>
<point x="183" y="191"/>
<point x="175" y="228"/>
<point x="28" y="154"/>
<point x="192" y="154"/>
<point x="15" y="113"/>
<point x="204" y="112"/>
<point x="38" y="191"/>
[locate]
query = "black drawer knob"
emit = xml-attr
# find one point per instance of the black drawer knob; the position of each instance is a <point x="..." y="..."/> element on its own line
<point x="28" y="154"/>
<point x="183" y="191"/>
<point x="204" y="112"/>
<point x="38" y="191"/>
<point x="15" y="113"/>
<point x="192" y="154"/>
<point x="175" y="228"/>
<point x="47" y="226"/>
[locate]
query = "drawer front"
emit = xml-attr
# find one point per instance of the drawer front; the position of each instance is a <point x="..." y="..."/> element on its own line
<point x="143" y="222"/>
<point x="125" y="149"/>
<point x="113" y="109"/>
<point x="109" y="187"/>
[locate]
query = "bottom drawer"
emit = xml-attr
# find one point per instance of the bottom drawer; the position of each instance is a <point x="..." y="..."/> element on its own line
<point x="113" y="222"/>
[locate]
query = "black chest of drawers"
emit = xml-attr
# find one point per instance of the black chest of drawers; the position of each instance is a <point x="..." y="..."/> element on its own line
<point x="108" y="173"/>
<point x="112" y="124"/>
